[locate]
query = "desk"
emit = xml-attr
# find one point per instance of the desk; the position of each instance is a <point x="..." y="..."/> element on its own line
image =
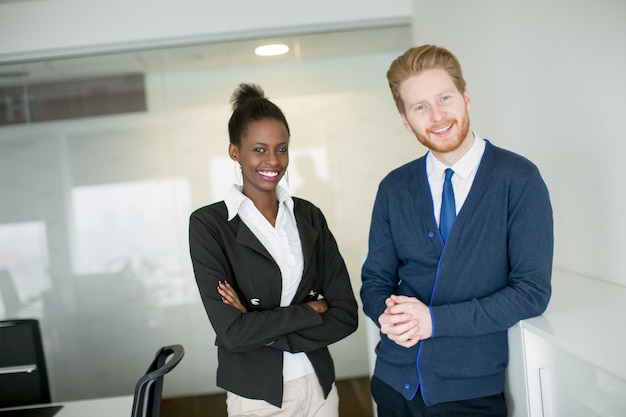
<point x="98" y="407"/>
<point x="570" y="361"/>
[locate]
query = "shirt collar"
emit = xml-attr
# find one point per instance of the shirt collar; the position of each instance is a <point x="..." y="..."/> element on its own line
<point x="235" y="198"/>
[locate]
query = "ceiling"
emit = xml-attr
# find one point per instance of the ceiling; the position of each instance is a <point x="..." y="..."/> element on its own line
<point x="207" y="56"/>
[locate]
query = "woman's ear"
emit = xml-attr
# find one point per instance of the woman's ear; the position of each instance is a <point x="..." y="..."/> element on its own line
<point x="233" y="152"/>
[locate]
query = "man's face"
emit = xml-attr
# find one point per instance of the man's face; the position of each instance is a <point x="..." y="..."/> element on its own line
<point x="437" y="114"/>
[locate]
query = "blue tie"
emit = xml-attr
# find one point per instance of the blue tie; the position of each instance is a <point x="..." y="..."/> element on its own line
<point x="448" y="208"/>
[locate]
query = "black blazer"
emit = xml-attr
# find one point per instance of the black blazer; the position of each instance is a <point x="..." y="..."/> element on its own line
<point x="229" y="251"/>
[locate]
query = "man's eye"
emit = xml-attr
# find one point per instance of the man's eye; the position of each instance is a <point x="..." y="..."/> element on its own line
<point x="445" y="98"/>
<point x="282" y="150"/>
<point x="259" y="150"/>
<point x="421" y="107"/>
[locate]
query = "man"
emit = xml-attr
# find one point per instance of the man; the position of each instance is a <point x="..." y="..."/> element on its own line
<point x="444" y="299"/>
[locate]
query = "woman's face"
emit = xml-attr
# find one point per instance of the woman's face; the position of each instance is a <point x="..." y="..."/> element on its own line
<point x="263" y="155"/>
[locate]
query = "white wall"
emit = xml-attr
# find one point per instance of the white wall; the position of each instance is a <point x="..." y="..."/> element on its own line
<point x="41" y="28"/>
<point x="547" y="80"/>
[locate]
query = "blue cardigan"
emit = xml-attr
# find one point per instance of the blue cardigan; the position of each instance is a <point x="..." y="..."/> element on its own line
<point x="494" y="270"/>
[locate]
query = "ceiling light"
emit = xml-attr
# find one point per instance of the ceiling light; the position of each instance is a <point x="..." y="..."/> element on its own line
<point x="271" y="50"/>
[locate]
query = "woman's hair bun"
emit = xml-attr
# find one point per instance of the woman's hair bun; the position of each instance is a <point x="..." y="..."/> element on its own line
<point x="244" y="93"/>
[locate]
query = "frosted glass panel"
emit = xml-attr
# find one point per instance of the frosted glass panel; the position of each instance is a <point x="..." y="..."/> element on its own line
<point x="94" y="213"/>
<point x="121" y="227"/>
<point x="23" y="267"/>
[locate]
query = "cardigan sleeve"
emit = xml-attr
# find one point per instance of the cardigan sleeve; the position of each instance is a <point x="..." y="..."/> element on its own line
<point x="379" y="272"/>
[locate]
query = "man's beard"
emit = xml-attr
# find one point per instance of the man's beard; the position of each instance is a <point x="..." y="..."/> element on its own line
<point x="449" y="144"/>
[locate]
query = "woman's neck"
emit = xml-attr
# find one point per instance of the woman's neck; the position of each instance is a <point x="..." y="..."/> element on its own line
<point x="267" y="204"/>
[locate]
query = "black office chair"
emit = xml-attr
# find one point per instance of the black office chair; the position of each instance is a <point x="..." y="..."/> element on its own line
<point x="23" y="374"/>
<point x="149" y="388"/>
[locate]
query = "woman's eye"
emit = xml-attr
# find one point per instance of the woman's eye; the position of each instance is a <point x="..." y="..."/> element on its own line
<point x="282" y="150"/>
<point x="259" y="150"/>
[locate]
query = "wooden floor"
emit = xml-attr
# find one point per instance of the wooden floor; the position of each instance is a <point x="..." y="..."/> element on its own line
<point x="354" y="401"/>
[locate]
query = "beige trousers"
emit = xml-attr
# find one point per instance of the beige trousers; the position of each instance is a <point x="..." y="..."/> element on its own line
<point x="302" y="397"/>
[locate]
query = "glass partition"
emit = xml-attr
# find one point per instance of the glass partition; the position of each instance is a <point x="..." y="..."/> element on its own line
<point x="103" y="158"/>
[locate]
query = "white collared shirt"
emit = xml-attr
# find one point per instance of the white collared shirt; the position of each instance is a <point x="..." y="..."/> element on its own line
<point x="462" y="180"/>
<point x="283" y="243"/>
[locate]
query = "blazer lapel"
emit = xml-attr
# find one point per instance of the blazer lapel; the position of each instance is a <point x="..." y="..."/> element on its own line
<point x="246" y="238"/>
<point x="308" y="236"/>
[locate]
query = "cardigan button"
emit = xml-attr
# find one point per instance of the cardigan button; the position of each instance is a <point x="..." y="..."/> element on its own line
<point x="431" y="234"/>
<point x="407" y="386"/>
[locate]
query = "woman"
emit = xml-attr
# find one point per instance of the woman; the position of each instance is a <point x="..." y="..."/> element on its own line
<point x="271" y="277"/>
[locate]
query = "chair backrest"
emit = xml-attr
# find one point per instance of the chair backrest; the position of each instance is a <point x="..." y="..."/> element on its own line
<point x="23" y="374"/>
<point x="149" y="388"/>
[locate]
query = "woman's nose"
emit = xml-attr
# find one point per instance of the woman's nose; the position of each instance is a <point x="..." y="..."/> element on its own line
<point x="271" y="158"/>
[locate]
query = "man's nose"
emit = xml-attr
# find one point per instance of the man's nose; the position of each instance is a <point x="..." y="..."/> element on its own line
<point x="437" y="113"/>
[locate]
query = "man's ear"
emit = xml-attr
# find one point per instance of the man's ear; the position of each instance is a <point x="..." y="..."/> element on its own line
<point x="468" y="99"/>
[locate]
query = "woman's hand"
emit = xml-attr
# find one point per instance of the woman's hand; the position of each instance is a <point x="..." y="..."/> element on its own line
<point x="229" y="296"/>
<point x="320" y="306"/>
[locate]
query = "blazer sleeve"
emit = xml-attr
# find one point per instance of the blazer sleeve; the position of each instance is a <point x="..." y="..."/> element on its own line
<point x="209" y="242"/>
<point x="341" y="319"/>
